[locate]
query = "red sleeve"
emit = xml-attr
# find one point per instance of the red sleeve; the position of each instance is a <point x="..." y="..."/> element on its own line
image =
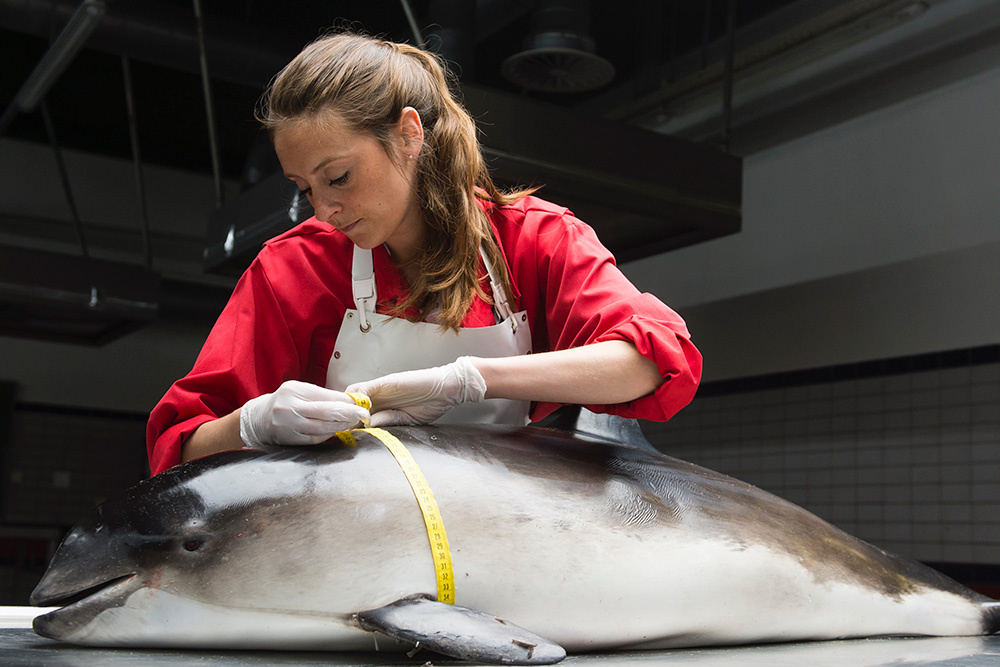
<point x="280" y="324"/>
<point x="251" y="329"/>
<point x="576" y="295"/>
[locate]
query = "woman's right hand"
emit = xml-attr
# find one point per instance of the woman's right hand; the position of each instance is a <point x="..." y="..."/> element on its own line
<point x="298" y="413"/>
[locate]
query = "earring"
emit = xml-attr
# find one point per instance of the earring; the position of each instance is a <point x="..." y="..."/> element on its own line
<point x="411" y="156"/>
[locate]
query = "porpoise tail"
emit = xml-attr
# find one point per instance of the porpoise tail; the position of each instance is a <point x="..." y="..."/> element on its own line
<point x="991" y="618"/>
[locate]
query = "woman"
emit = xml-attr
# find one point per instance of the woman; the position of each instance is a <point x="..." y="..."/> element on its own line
<point x="418" y="282"/>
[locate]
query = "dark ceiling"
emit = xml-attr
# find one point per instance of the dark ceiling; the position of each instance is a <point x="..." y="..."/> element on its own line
<point x="649" y="175"/>
<point x="249" y="40"/>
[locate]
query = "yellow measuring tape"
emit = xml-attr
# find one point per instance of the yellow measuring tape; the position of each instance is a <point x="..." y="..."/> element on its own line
<point x="440" y="551"/>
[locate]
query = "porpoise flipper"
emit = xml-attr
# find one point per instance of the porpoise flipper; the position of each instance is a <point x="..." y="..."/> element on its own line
<point x="460" y="632"/>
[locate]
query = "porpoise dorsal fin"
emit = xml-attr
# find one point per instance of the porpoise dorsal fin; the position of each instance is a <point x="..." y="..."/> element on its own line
<point x="459" y="632"/>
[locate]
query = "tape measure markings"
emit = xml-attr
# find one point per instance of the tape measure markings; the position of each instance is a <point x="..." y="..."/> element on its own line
<point x="436" y="535"/>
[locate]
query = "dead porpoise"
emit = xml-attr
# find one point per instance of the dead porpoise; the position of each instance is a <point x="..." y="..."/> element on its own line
<point x="577" y="545"/>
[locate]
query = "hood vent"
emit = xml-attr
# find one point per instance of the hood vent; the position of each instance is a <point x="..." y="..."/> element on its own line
<point x="558" y="55"/>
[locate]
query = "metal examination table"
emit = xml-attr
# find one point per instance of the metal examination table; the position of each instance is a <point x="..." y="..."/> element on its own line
<point x="20" y="646"/>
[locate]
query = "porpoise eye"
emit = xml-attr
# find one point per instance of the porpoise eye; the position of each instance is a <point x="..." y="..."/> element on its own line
<point x="193" y="545"/>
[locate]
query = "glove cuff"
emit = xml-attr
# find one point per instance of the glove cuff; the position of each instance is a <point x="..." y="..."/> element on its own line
<point x="472" y="381"/>
<point x="248" y="434"/>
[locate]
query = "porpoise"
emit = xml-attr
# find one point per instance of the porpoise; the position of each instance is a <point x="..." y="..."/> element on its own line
<point x="558" y="543"/>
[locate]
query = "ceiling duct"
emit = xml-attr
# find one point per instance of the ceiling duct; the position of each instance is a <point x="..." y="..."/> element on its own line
<point x="68" y="299"/>
<point x="558" y="55"/>
<point x="643" y="192"/>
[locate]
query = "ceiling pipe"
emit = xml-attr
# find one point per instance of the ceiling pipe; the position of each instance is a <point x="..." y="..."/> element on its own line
<point x="164" y="34"/>
<point x="56" y="59"/>
<point x="60" y="54"/>
<point x="161" y="34"/>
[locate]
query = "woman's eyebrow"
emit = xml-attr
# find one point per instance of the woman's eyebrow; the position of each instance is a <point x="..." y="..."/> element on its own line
<point x="327" y="161"/>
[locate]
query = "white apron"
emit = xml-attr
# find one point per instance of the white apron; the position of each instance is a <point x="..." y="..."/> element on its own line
<point x="371" y="345"/>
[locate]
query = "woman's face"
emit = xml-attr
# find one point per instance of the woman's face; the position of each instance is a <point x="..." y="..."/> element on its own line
<point x="354" y="185"/>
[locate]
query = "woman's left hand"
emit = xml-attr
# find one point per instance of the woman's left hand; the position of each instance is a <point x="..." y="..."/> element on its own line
<point x="421" y="396"/>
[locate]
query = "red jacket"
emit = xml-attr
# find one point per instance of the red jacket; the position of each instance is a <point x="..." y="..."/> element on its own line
<point x="282" y="320"/>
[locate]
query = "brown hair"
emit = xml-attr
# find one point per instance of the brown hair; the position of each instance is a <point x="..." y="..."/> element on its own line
<point x="366" y="83"/>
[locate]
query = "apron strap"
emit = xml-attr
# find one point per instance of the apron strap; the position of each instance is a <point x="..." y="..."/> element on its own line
<point x="363" y="284"/>
<point x="366" y="295"/>
<point x="501" y="304"/>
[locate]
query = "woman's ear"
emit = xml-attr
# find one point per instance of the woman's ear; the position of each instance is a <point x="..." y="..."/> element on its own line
<point x="411" y="131"/>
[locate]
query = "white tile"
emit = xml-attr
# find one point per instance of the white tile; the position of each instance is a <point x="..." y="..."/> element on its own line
<point x="927" y="552"/>
<point x="956" y="513"/>
<point x="986" y="410"/>
<point x="958" y="473"/>
<point x="898" y="512"/>
<point x="773" y="430"/>
<point x="931" y="532"/>
<point x="896" y="475"/>
<point x="956" y="533"/>
<point x="986" y="493"/>
<point x="956" y="452"/>
<point x="842" y="388"/>
<point x="925" y="455"/>
<point x="870" y="532"/>
<point x="985" y="452"/>
<point x="898" y="437"/>
<point x="819" y="494"/>
<point x="872" y="385"/>
<point x="796" y="427"/>
<point x="985" y="472"/>
<point x="818" y="460"/>
<point x="985" y="373"/>
<point x="925" y="399"/>
<point x="987" y="515"/>
<point x="833" y="512"/>
<point x="987" y="554"/>
<point x="898" y="532"/>
<point x="925" y="419"/>
<point x="869" y="476"/>
<point x="929" y="513"/>
<point x="771" y="479"/>
<point x="960" y="375"/>
<point x="925" y="379"/>
<point x="844" y="477"/>
<point x="845" y="425"/>
<point x="897" y="383"/>
<point x="925" y="474"/>
<point x="897" y="402"/>
<point x="871" y="513"/>
<point x="901" y="494"/>
<point x="817" y="392"/>
<point x="924" y="435"/>
<point x="843" y="404"/>
<point x="795" y="494"/>
<point x="956" y="493"/>
<point x="870" y="493"/>
<point x="956" y="396"/>
<point x="958" y="553"/>
<point x="750" y="423"/>
<point x="871" y="404"/>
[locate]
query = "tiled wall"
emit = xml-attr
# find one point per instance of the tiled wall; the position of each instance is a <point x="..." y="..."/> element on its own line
<point x="56" y="465"/>
<point x="904" y="454"/>
<point x="60" y="463"/>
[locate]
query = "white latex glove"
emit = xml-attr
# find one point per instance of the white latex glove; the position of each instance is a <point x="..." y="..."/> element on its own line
<point x="421" y="396"/>
<point x="298" y="413"/>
